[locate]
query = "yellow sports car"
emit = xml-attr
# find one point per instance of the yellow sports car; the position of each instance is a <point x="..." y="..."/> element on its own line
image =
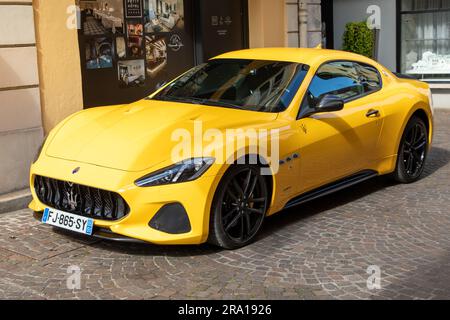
<point x="249" y="133"/>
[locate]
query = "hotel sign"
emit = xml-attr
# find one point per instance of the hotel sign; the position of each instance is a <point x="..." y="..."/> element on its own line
<point x="133" y="8"/>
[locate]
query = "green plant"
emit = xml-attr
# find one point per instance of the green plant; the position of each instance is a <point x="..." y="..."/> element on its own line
<point x="358" y="38"/>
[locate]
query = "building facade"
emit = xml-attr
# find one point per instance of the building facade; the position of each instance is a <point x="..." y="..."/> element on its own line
<point x="414" y="37"/>
<point x="20" y="109"/>
<point x="60" y="56"/>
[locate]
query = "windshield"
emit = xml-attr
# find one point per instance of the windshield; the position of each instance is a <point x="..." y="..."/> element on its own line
<point x="255" y="85"/>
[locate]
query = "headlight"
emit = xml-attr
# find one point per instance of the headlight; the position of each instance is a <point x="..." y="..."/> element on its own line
<point x="184" y="171"/>
<point x="38" y="153"/>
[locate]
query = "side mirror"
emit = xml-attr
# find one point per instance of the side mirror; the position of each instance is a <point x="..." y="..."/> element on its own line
<point x="329" y="103"/>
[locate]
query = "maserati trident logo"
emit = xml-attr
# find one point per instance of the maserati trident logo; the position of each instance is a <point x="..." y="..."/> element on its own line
<point x="71" y="197"/>
<point x="175" y="43"/>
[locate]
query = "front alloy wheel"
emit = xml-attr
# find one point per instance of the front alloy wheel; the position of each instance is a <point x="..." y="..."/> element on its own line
<point x="413" y="152"/>
<point x="239" y="208"/>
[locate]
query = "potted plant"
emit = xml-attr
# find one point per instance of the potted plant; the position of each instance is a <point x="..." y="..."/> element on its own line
<point x="358" y="38"/>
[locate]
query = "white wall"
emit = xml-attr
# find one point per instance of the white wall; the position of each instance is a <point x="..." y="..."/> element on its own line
<point x="20" y="109"/>
<point x="355" y="10"/>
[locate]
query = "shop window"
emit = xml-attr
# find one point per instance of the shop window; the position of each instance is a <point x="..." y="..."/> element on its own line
<point x="425" y="39"/>
<point x="128" y="48"/>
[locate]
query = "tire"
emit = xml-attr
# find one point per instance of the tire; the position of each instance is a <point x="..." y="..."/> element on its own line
<point x="239" y="207"/>
<point x="413" y="152"/>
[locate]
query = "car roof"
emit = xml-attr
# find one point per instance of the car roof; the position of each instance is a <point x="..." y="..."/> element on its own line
<point x="309" y="56"/>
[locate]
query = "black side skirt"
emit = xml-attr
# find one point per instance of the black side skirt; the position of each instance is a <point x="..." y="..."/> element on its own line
<point x="332" y="187"/>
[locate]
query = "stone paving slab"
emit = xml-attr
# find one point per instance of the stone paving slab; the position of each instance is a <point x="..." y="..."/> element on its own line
<point x="39" y="241"/>
<point x="320" y="250"/>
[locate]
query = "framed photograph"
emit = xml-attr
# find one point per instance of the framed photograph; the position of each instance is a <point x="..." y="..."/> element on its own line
<point x="156" y="54"/>
<point x="99" y="53"/>
<point x="121" y="48"/>
<point x="135" y="47"/>
<point x="135" y="28"/>
<point x="131" y="73"/>
<point x="163" y="16"/>
<point x="103" y="19"/>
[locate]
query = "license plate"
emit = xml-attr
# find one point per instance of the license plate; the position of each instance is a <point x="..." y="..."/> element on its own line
<point x="68" y="221"/>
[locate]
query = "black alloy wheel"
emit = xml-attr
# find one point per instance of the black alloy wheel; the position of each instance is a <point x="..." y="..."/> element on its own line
<point x="239" y="207"/>
<point x="413" y="152"/>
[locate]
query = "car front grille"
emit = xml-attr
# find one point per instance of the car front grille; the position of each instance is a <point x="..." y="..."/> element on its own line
<point x="81" y="200"/>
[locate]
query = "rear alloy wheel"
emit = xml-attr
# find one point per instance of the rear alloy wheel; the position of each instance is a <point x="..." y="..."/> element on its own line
<point x="239" y="207"/>
<point x="413" y="152"/>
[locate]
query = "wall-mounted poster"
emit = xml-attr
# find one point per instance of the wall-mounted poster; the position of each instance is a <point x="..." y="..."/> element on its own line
<point x="156" y="54"/>
<point x="102" y="17"/>
<point x="163" y="15"/>
<point x="99" y="53"/>
<point x="133" y="8"/>
<point x="135" y="47"/>
<point x="131" y="73"/>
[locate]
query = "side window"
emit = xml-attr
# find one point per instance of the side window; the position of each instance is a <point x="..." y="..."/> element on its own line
<point x="369" y="77"/>
<point x="338" y="78"/>
<point x="345" y="79"/>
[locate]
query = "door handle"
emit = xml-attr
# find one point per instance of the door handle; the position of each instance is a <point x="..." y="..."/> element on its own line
<point x="373" y="113"/>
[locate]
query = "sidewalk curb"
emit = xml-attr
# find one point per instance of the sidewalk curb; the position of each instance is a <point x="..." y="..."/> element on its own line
<point x="15" y="200"/>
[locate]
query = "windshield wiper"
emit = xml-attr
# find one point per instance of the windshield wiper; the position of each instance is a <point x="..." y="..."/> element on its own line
<point x="181" y="99"/>
<point x="201" y="101"/>
<point x="223" y="104"/>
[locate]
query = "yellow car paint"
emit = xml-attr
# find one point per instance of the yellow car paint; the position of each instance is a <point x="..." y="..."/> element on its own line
<point x="116" y="145"/>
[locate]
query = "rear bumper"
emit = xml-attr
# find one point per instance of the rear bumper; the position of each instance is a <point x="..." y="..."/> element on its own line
<point x="144" y="203"/>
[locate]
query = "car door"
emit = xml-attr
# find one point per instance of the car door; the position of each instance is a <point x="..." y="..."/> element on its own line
<point x="334" y="145"/>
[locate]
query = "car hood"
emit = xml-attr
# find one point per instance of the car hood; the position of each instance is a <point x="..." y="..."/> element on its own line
<point x="138" y="136"/>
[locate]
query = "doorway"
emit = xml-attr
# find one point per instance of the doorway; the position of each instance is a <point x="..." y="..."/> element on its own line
<point x="327" y="24"/>
<point x="222" y="26"/>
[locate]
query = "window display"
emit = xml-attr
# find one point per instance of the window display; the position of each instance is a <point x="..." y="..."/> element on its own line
<point x="425" y="39"/>
<point x="128" y="48"/>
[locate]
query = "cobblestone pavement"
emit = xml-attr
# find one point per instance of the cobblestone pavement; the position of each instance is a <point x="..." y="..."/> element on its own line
<point x="320" y="250"/>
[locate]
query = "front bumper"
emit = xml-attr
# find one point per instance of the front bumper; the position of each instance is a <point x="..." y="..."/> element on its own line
<point x="98" y="233"/>
<point x="195" y="197"/>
